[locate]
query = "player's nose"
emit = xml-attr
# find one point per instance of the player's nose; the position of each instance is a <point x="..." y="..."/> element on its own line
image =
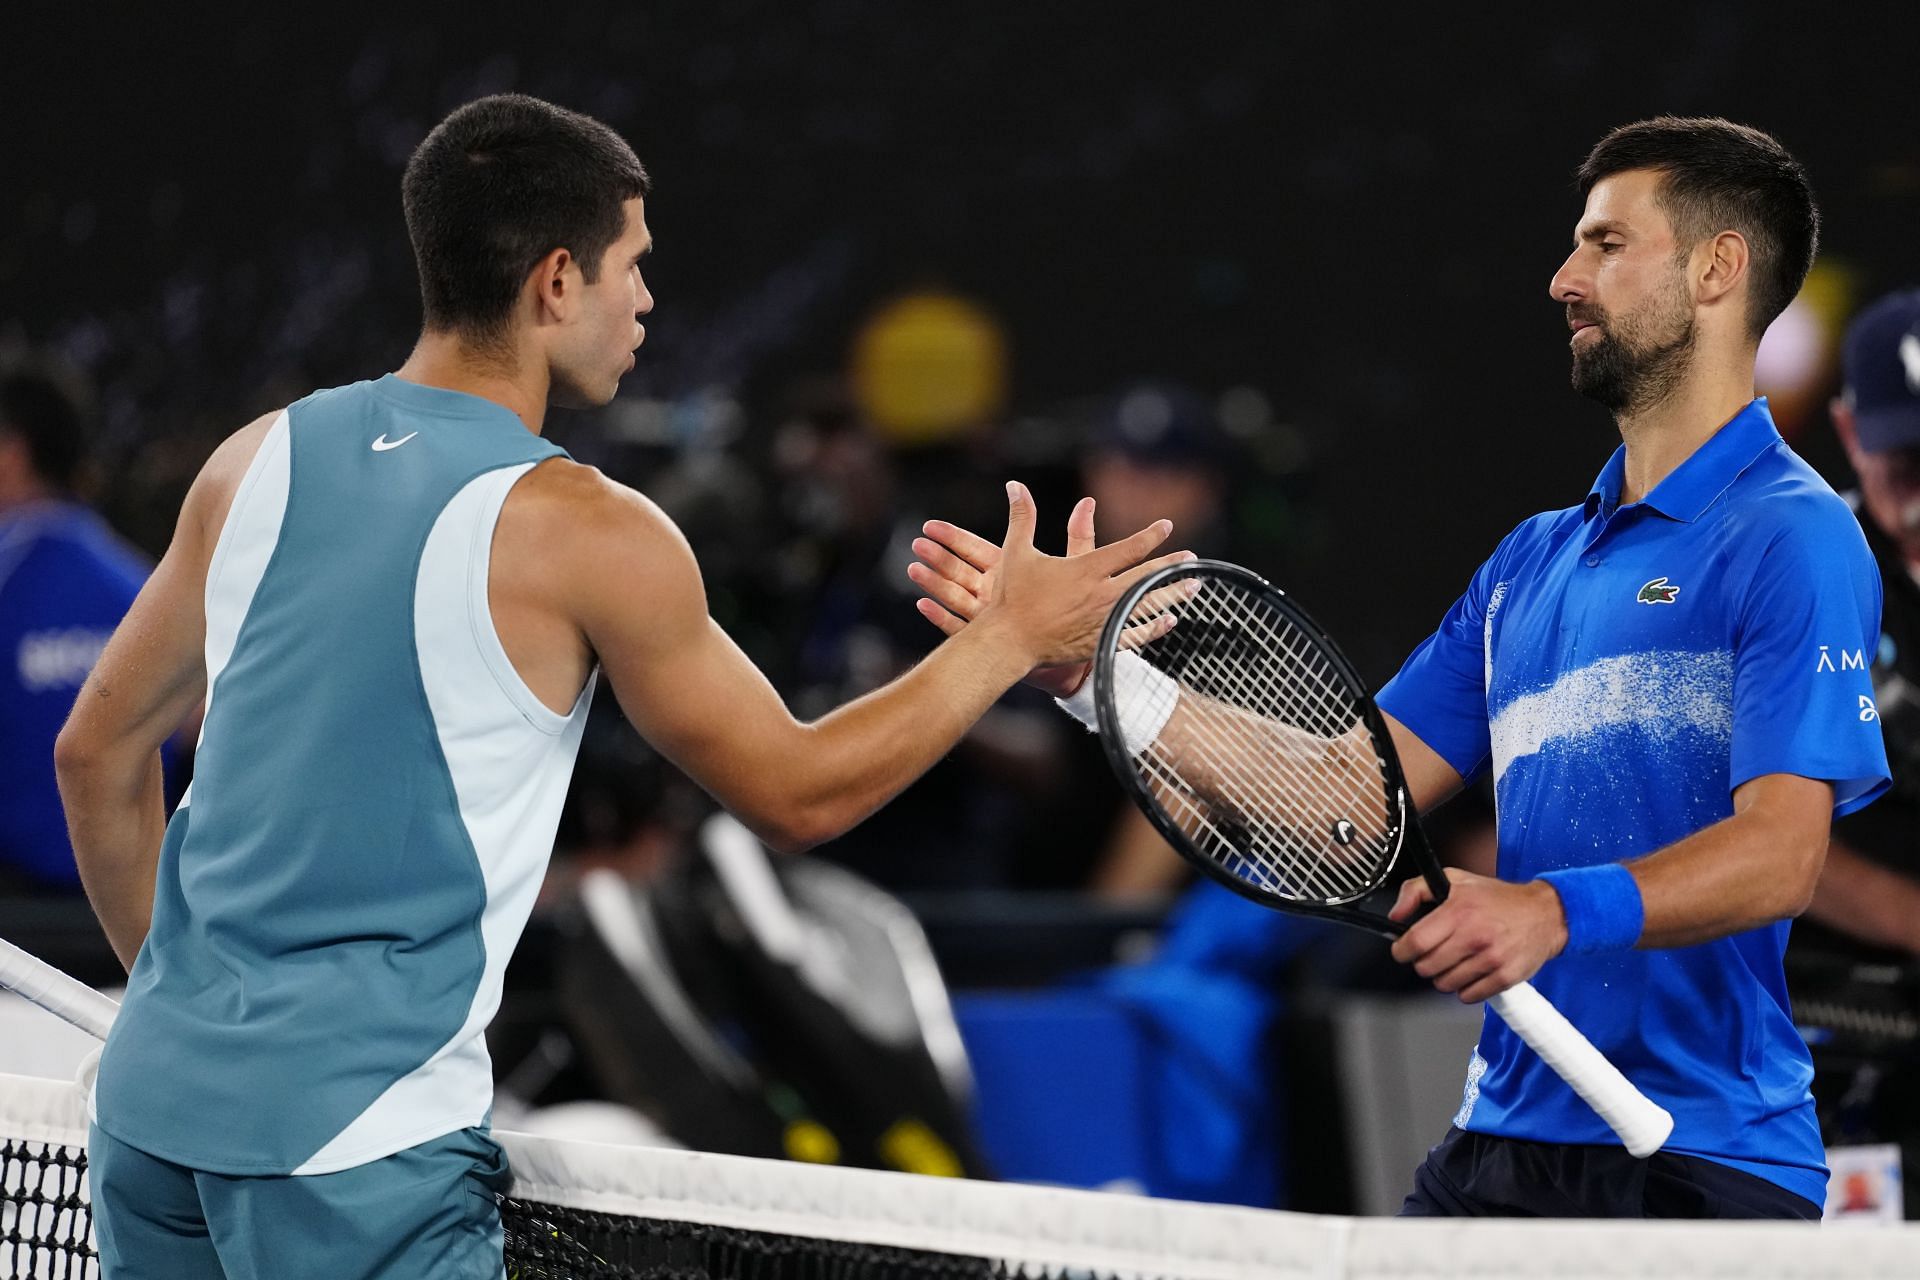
<point x="1569" y="283"/>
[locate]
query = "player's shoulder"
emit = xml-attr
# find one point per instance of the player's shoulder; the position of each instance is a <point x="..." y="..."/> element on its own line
<point x="561" y="489"/>
<point x="581" y="513"/>
<point x="1543" y="530"/>
<point x="1783" y="527"/>
<point x="1780" y="498"/>
<point x="211" y="495"/>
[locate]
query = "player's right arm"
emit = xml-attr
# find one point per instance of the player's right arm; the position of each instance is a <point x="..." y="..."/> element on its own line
<point x="953" y="567"/>
<point x="1430" y="779"/>
<point x="634" y="590"/>
<point x="148" y="680"/>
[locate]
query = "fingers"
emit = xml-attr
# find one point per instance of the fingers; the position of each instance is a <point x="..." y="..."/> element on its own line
<point x="1175" y="593"/>
<point x="1132" y="550"/>
<point x="1153" y="616"/>
<point x="1414" y="894"/>
<point x="1490" y="985"/>
<point x="1021" y="518"/>
<point x="948" y="565"/>
<point x="949" y="596"/>
<point x="1080" y="538"/>
<point x="1143" y="633"/>
<point x="948" y="624"/>
<point x="969" y="546"/>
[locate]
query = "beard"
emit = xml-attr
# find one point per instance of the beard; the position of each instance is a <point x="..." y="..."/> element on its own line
<point x="1637" y="361"/>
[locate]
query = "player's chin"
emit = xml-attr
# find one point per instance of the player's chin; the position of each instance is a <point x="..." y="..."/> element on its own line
<point x="584" y="395"/>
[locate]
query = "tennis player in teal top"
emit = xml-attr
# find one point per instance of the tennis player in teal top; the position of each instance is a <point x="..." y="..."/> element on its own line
<point x="397" y="597"/>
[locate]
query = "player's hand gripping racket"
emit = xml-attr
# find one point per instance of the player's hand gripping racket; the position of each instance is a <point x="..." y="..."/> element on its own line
<point x="1250" y="741"/>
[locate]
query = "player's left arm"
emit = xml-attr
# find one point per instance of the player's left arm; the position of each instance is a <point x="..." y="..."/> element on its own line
<point x="1748" y="870"/>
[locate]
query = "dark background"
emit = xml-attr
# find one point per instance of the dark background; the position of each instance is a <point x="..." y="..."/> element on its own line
<point x="1353" y="208"/>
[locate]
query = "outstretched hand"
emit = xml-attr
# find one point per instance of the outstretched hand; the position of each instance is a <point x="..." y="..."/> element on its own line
<point x="964" y="576"/>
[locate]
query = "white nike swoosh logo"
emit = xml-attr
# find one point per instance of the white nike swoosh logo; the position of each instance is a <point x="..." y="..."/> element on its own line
<point x="383" y="444"/>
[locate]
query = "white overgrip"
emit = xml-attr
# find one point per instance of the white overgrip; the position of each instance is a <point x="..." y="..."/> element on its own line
<point x="1641" y="1123"/>
<point x="64" y="997"/>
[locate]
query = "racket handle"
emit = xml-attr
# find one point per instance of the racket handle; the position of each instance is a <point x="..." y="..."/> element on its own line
<point x="1641" y="1123"/>
<point x="54" y="991"/>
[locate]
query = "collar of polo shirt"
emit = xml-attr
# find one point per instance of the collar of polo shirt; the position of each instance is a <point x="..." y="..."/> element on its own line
<point x="1692" y="486"/>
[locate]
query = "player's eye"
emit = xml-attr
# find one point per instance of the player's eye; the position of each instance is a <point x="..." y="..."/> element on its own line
<point x="1608" y="246"/>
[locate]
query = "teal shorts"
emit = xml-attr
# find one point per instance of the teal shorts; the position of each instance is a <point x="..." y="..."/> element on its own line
<point x="428" y="1211"/>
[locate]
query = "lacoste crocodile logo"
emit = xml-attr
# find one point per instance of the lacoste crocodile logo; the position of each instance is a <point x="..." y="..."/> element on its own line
<point x="1659" y="591"/>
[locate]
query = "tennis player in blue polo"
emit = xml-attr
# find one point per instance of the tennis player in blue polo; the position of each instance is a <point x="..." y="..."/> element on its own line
<point x="1669" y="684"/>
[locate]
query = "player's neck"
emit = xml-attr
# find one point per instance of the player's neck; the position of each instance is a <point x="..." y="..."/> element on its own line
<point x="447" y="361"/>
<point x="1661" y="436"/>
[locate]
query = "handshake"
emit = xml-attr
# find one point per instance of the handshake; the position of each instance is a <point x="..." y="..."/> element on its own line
<point x="1050" y="609"/>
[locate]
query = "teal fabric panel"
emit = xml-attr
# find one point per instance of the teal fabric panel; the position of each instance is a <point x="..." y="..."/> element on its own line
<point x="316" y="930"/>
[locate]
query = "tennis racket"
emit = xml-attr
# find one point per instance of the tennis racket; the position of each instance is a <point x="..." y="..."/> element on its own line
<point x="1252" y="744"/>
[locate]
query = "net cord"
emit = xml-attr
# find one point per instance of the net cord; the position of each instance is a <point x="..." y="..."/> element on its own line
<point x="1096" y="1233"/>
<point x="1058" y="1231"/>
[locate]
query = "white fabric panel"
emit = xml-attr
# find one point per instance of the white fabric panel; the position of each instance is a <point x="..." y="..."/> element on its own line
<point x="1660" y="693"/>
<point x="247" y="542"/>
<point x="511" y="760"/>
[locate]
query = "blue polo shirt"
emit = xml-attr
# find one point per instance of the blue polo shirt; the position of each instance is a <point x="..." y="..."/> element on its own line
<point x="1621" y="670"/>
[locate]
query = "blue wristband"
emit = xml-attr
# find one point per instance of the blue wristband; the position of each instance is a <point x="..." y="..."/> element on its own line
<point x="1602" y="906"/>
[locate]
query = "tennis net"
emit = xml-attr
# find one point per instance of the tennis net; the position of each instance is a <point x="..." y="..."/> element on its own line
<point x="585" y="1211"/>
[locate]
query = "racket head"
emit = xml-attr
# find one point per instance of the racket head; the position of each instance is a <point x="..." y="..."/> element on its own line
<point x="1241" y="643"/>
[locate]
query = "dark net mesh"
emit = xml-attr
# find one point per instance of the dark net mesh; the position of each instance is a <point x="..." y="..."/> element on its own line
<point x="45" y="1221"/>
<point x="545" y="1241"/>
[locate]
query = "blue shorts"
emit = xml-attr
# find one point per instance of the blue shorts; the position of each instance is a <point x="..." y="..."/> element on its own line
<point x="1476" y="1175"/>
<point x="431" y="1210"/>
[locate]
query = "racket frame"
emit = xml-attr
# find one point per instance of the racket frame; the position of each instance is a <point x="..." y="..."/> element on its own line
<point x="1642" y="1125"/>
<point x="1405" y="836"/>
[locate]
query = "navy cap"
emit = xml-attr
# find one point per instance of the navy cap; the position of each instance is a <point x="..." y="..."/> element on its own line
<point x="1156" y="424"/>
<point x="1882" y="363"/>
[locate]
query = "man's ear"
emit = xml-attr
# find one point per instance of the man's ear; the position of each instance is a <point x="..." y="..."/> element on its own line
<point x="554" y="283"/>
<point x="1722" y="266"/>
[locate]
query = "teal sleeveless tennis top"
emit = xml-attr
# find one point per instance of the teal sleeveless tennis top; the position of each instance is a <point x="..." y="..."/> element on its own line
<point x="373" y="804"/>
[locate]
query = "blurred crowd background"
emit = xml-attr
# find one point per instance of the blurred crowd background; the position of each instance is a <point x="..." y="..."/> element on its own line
<point x="1276" y="271"/>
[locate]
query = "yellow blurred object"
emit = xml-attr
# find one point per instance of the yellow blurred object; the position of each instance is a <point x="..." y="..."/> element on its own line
<point x="812" y="1142"/>
<point x="930" y="367"/>
<point x="910" y="1146"/>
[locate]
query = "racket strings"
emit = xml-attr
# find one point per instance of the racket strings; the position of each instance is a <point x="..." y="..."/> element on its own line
<point x="1266" y="762"/>
<point x="1261" y="801"/>
<point x="1325" y="709"/>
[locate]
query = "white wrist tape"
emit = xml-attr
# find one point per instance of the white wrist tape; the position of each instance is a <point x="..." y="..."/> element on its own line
<point x="1144" y="695"/>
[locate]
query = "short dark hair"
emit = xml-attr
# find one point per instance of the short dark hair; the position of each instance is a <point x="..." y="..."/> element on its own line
<point x="1719" y="176"/>
<point x="39" y="408"/>
<point x="497" y="186"/>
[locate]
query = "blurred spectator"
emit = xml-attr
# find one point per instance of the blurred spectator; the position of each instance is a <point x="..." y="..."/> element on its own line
<point x="1866" y="906"/>
<point x="1156" y="452"/>
<point x="850" y="503"/>
<point x="66" y="579"/>
<point x="1870" y="888"/>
